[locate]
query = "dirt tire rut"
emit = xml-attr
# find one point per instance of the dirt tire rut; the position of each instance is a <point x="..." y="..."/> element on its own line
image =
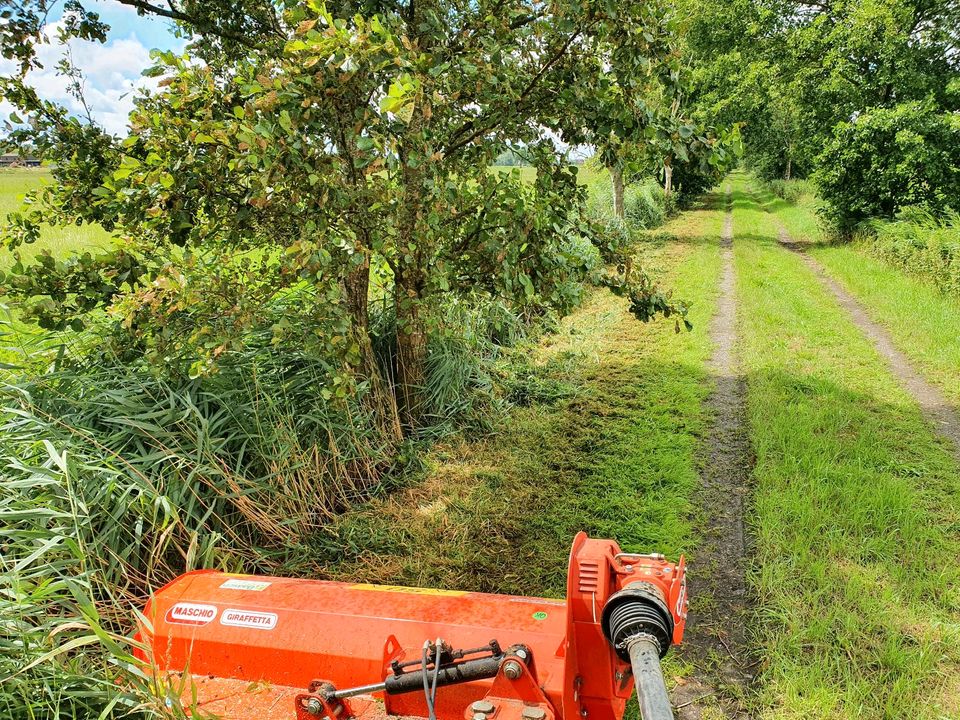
<point x="716" y="642"/>
<point x="933" y="404"/>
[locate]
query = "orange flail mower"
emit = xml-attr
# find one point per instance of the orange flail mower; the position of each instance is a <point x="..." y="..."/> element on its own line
<point x="265" y="648"/>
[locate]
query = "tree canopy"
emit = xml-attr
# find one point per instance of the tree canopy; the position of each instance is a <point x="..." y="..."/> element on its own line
<point x="344" y="147"/>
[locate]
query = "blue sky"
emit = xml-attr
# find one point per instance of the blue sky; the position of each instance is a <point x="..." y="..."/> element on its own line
<point x="112" y="70"/>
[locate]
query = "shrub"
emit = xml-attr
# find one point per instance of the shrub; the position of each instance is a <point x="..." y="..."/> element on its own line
<point x="920" y="243"/>
<point x="888" y="159"/>
<point x="118" y="474"/>
<point x="691" y="179"/>
<point x="789" y="190"/>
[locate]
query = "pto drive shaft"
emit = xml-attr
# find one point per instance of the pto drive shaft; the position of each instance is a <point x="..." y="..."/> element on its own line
<point x="638" y="624"/>
<point x="651" y="689"/>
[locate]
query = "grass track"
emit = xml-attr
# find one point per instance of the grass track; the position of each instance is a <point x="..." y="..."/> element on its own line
<point x="856" y="509"/>
<point x="923" y="322"/>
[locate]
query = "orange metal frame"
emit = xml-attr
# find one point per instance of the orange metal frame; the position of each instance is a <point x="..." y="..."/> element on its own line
<point x="240" y="646"/>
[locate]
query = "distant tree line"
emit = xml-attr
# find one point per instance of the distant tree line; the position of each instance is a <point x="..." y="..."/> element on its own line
<point x="862" y="96"/>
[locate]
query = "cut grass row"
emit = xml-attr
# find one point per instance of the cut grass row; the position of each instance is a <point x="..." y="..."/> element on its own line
<point x="856" y="508"/>
<point x="616" y="456"/>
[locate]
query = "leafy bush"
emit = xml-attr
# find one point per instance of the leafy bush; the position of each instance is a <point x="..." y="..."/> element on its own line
<point x="693" y="178"/>
<point x="921" y="244"/>
<point x="889" y="159"/>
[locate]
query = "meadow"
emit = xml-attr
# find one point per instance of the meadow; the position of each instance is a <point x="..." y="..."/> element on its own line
<point x="15" y="183"/>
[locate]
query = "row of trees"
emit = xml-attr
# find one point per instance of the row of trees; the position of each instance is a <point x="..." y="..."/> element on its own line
<point x="347" y="146"/>
<point x="824" y="87"/>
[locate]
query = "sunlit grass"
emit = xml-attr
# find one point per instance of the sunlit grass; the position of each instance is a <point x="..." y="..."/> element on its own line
<point x="923" y="321"/>
<point x="855" y="507"/>
<point x="60" y="241"/>
<point x="613" y="454"/>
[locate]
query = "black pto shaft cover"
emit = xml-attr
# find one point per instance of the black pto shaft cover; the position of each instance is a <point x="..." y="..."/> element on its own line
<point x="638" y="609"/>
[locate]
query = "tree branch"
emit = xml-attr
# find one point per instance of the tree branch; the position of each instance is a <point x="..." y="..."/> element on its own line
<point x="517" y="105"/>
<point x="173" y="14"/>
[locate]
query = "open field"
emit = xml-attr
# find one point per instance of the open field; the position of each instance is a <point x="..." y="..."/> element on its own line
<point x="60" y="241"/>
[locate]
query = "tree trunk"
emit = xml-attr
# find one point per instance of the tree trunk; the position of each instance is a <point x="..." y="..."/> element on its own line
<point x="414" y="238"/>
<point x="411" y="349"/>
<point x="616" y="176"/>
<point x="414" y="249"/>
<point x="786" y="174"/>
<point x="382" y="400"/>
<point x="667" y="178"/>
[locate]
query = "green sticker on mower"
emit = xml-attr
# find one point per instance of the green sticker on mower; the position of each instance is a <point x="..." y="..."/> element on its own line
<point x="540" y="615"/>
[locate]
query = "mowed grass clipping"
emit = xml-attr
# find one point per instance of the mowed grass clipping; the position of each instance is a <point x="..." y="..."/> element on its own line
<point x="856" y="510"/>
<point x="923" y="322"/>
<point x="613" y="453"/>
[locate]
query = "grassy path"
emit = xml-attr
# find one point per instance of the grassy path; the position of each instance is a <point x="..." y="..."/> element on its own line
<point x="923" y="323"/>
<point x="855" y="508"/>
<point x="615" y="454"/>
<point x="618" y="456"/>
<point x="716" y="641"/>
<point x="855" y="505"/>
<point x="934" y="404"/>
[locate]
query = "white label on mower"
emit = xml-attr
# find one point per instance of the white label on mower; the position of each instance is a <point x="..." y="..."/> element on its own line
<point x="185" y="613"/>
<point x="238" y="584"/>
<point x="249" y="618"/>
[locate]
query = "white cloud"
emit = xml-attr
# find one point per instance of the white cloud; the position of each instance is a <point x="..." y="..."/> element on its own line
<point x="112" y="77"/>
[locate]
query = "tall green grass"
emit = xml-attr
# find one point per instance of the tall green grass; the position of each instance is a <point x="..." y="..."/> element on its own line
<point x="790" y="190"/>
<point x="115" y="478"/>
<point x="920" y="243"/>
<point x="644" y="205"/>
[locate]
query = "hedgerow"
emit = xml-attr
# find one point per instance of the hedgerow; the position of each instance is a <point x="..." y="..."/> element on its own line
<point x="920" y="243"/>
